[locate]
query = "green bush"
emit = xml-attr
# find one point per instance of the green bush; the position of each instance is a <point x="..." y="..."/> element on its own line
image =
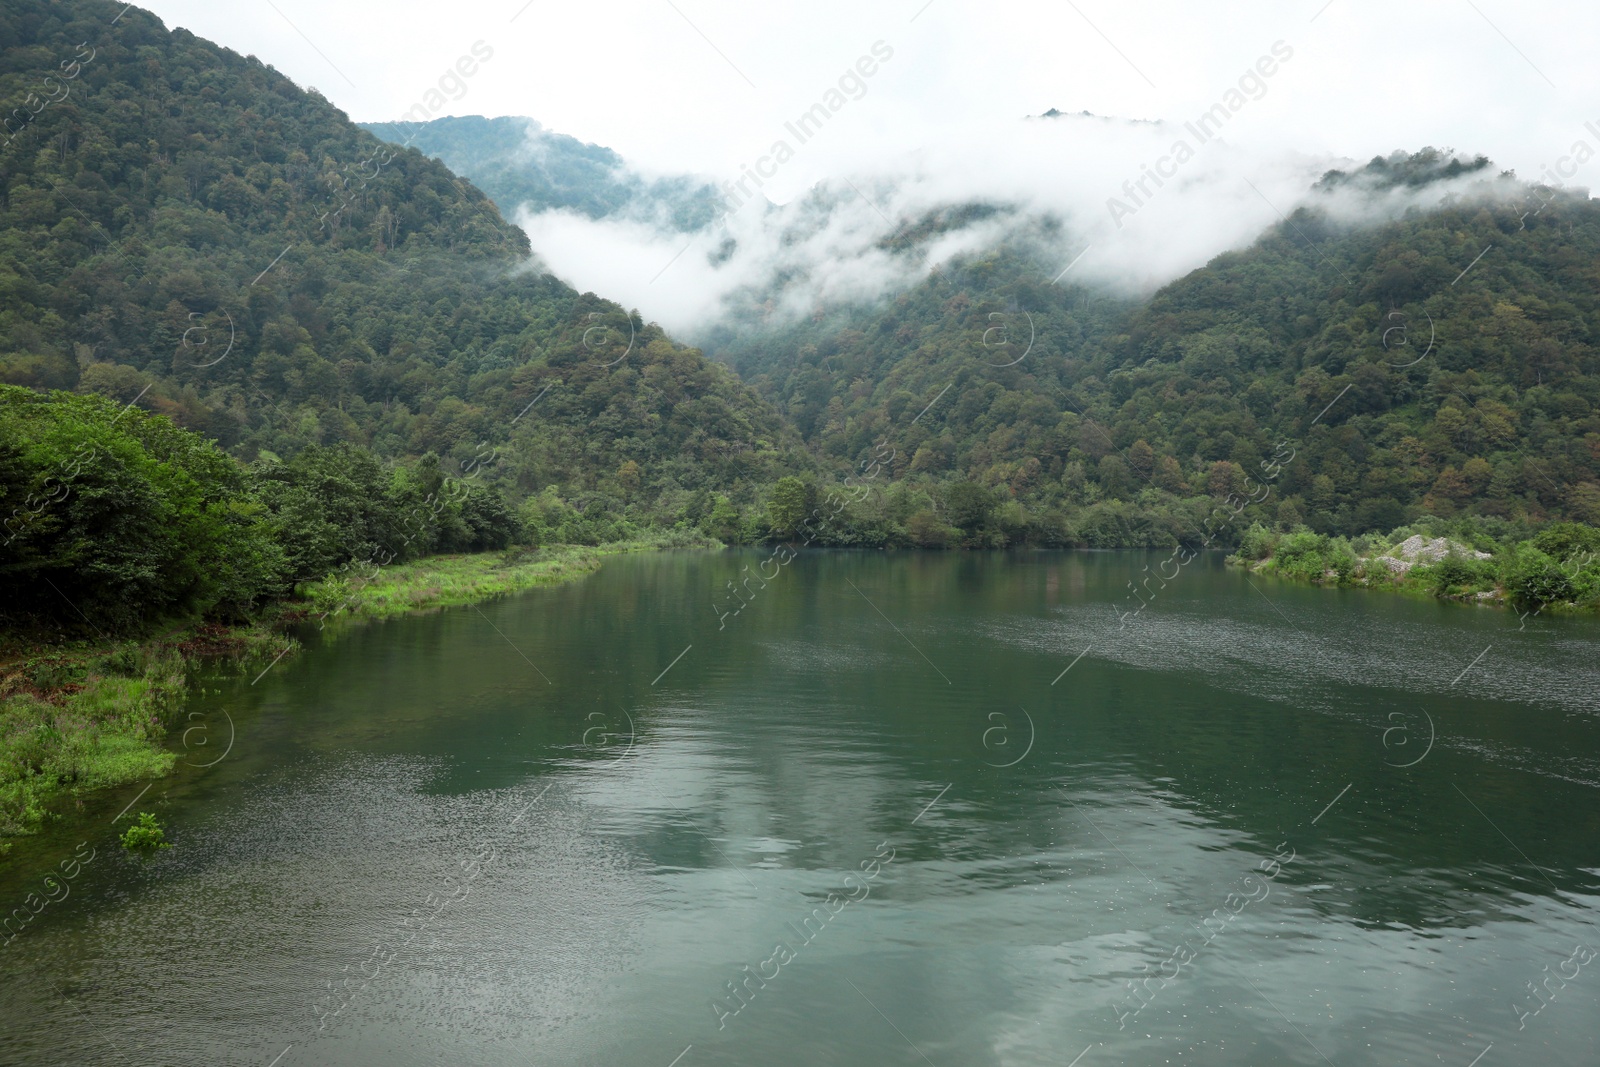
<point x="145" y="835"/>
<point x="1456" y="573"/>
<point x="1564" y="540"/>
<point x="1258" y="542"/>
<point x="118" y="516"/>
<point x="1533" y="577"/>
<point x="1300" y="555"/>
<point x="1340" y="558"/>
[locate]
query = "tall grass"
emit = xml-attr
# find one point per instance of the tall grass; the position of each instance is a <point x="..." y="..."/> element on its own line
<point x="80" y="718"/>
<point x="448" y="581"/>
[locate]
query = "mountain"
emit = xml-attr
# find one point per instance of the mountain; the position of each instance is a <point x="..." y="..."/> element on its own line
<point x="291" y="337"/>
<point x="1438" y="364"/>
<point x="187" y="230"/>
<point x="752" y="254"/>
<point x="186" y="227"/>
<point x="523" y="166"/>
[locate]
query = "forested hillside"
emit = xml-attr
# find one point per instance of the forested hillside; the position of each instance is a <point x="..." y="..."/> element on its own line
<point x="183" y="227"/>
<point x="520" y="164"/>
<point x="186" y="230"/>
<point x="1404" y="386"/>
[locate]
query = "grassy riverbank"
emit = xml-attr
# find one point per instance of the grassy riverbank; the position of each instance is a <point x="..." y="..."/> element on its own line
<point x="1555" y="571"/>
<point x="449" y="581"/>
<point x="77" y="716"/>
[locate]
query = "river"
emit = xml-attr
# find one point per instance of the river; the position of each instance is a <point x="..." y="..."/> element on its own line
<point x="949" y="809"/>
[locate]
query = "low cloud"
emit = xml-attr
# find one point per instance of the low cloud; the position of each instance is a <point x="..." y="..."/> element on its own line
<point x="880" y="224"/>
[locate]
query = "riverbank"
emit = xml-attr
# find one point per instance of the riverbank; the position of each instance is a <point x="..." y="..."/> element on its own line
<point x="1555" y="572"/>
<point x="451" y="581"/>
<point x="79" y="716"/>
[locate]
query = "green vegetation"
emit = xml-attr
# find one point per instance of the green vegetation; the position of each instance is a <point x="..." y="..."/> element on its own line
<point x="82" y="715"/>
<point x="190" y="229"/>
<point x="278" y="279"/>
<point x="448" y="581"/>
<point x="1558" y="569"/>
<point x="145" y="835"/>
<point x="1402" y="395"/>
<point x="117" y="520"/>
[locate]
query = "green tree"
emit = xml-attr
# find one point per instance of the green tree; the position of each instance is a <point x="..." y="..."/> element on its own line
<point x="792" y="500"/>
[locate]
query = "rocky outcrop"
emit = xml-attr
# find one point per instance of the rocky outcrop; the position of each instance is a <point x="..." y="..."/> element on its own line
<point x="1418" y="549"/>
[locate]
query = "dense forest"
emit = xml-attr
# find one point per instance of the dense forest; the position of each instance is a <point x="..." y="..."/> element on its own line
<point x="183" y="228"/>
<point x="1401" y="393"/>
<point x="1432" y="366"/>
<point x="189" y="233"/>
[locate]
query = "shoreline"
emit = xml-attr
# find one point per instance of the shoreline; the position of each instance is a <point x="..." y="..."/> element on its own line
<point x="1555" y="571"/>
<point x="1417" y="587"/>
<point x="81" y="718"/>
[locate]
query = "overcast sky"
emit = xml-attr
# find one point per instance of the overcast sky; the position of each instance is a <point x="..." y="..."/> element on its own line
<point x="695" y="85"/>
<point x="706" y="87"/>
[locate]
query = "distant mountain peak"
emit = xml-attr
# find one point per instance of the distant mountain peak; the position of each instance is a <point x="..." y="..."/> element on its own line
<point x="1057" y="113"/>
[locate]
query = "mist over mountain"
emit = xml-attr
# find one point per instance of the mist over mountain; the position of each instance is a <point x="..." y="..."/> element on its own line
<point x="189" y="232"/>
<point x="1127" y="204"/>
<point x="524" y="167"/>
<point x="1108" y="321"/>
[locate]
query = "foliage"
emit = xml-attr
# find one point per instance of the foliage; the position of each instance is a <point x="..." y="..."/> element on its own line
<point x="1400" y="395"/>
<point x="1533" y="577"/>
<point x="394" y="316"/>
<point x="445" y="581"/>
<point x="78" y="722"/>
<point x="1518" y="570"/>
<point x="146" y="835"/>
<point x="1456" y="573"/>
<point x="791" y="501"/>
<point x="1566" y="540"/>
<point x="191" y="229"/>
<point x="1257" y="543"/>
<point x="115" y="517"/>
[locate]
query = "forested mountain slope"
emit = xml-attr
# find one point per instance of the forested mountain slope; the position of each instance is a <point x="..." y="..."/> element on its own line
<point x="1409" y="375"/>
<point x="184" y="222"/>
<point x="520" y="164"/>
<point x="185" y="228"/>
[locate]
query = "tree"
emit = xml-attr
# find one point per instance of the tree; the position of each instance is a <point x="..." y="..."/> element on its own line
<point x="723" y="521"/>
<point x="792" y="500"/>
<point x="1535" y="578"/>
<point x="116" y="518"/>
<point x="1142" y="459"/>
<point x="969" y="505"/>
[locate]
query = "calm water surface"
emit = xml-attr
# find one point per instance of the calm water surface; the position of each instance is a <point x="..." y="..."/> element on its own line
<point x="867" y="820"/>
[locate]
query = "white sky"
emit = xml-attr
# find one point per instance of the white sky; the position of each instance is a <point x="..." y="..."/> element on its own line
<point x="1367" y="77"/>
<point x="705" y="87"/>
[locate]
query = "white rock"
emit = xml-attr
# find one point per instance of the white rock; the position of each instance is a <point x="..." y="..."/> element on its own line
<point x="1418" y="549"/>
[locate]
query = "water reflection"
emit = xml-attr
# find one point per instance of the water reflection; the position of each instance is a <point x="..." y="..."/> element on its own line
<point x="422" y="850"/>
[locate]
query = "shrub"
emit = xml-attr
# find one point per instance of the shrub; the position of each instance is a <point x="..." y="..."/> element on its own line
<point x="1534" y="578"/>
<point x="1300" y="555"/>
<point x="1258" y="542"/>
<point x="145" y="836"/>
<point x="1563" y="540"/>
<point x="1340" y="558"/>
<point x="1454" y="573"/>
